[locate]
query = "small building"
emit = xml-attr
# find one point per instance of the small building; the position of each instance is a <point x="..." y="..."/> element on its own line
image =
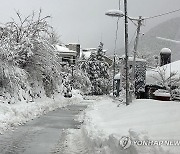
<point x="139" y="80"/>
<point x="75" y="47"/>
<point x="66" y="55"/>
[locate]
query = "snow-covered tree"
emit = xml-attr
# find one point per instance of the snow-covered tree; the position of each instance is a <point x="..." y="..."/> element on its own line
<point x="165" y="79"/>
<point x="28" y="56"/>
<point x="97" y="71"/>
<point x="80" y="81"/>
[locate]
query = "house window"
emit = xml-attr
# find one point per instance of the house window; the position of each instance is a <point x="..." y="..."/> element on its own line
<point x="66" y="59"/>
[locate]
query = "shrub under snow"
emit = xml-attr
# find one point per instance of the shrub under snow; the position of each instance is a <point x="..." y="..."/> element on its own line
<point x="29" y="65"/>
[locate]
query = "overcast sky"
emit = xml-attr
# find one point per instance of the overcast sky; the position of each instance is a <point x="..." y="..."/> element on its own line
<point x="85" y="20"/>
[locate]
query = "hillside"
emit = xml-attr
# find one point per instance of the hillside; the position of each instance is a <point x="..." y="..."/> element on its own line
<point x="169" y="29"/>
<point x="149" y="45"/>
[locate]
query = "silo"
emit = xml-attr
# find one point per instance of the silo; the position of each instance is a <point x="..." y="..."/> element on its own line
<point x="165" y="56"/>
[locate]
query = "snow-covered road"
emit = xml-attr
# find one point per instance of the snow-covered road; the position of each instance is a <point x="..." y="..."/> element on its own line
<point x="45" y="135"/>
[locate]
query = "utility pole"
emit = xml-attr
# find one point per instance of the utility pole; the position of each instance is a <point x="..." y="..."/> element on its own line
<point x="126" y="52"/>
<point x="135" y="51"/>
<point x="114" y="69"/>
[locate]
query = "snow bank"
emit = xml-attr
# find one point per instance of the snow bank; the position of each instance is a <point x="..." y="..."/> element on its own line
<point x="105" y="124"/>
<point x="19" y="113"/>
<point x="153" y="76"/>
<point x="161" y="92"/>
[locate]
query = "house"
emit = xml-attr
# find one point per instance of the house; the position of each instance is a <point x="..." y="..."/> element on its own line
<point x="139" y="78"/>
<point x="66" y="55"/>
<point x="74" y="47"/>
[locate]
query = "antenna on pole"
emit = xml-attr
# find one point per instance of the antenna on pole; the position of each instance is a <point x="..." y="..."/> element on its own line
<point x="101" y="37"/>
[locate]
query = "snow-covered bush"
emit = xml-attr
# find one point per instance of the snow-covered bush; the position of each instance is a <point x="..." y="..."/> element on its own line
<point x="97" y="71"/>
<point x="166" y="79"/>
<point x="28" y="56"/>
<point x="81" y="81"/>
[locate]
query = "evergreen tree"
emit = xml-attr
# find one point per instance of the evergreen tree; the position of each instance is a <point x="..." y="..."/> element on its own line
<point x="97" y="71"/>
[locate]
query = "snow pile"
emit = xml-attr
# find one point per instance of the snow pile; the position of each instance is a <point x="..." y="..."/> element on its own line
<point x="142" y="120"/>
<point x="155" y="75"/>
<point x="161" y="92"/>
<point x="19" y="113"/>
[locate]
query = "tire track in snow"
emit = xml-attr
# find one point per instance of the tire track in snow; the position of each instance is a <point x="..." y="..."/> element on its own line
<point x="71" y="142"/>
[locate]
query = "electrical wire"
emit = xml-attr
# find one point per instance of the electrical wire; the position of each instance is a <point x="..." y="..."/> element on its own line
<point x="133" y="22"/>
<point x="151" y="17"/>
<point x="147" y="18"/>
<point x="161" y="14"/>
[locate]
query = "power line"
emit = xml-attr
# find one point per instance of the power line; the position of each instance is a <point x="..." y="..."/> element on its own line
<point x="161" y="14"/>
<point x="151" y="17"/>
<point x="132" y="21"/>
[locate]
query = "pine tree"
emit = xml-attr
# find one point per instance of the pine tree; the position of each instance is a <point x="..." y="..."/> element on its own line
<point x="97" y="71"/>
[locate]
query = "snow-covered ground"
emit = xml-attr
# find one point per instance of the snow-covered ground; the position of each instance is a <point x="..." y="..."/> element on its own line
<point x="106" y="122"/>
<point x="12" y="115"/>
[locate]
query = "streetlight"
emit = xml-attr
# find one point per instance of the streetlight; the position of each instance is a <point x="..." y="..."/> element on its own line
<point x="114" y="13"/>
<point x="118" y="13"/>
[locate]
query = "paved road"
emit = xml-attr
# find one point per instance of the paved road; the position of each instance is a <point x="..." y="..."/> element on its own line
<point x="42" y="135"/>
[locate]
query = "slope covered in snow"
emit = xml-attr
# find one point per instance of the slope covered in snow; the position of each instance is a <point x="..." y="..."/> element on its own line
<point x="168" y="29"/>
<point x="142" y="120"/>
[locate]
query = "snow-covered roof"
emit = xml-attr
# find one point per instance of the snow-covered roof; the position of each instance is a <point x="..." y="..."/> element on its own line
<point x="74" y="43"/>
<point x="165" y="50"/>
<point x="137" y="59"/>
<point x="64" y="49"/>
<point x="89" y="49"/>
<point x="130" y="58"/>
<point x="86" y="54"/>
<point x="152" y="75"/>
<point x="117" y="76"/>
